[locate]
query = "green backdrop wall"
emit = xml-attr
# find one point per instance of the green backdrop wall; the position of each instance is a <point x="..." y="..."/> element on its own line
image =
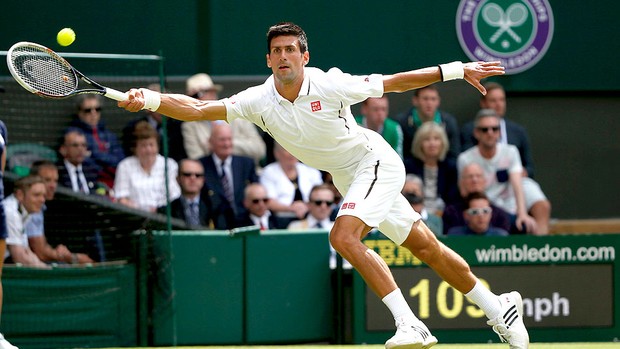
<point x="228" y="37"/>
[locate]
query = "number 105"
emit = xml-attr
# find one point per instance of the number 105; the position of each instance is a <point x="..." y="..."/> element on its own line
<point x="422" y="291"/>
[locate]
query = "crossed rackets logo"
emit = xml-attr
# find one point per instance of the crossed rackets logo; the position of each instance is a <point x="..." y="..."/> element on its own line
<point x="516" y="32"/>
<point x="515" y="16"/>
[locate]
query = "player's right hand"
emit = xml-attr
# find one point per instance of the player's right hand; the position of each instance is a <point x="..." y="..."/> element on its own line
<point x="135" y="102"/>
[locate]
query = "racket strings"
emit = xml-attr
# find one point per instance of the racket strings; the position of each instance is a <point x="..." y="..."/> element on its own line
<point x="43" y="71"/>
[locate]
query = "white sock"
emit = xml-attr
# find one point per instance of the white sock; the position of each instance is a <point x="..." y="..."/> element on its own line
<point x="395" y="301"/>
<point x="485" y="299"/>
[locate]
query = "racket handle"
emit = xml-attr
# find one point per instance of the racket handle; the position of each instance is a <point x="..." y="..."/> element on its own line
<point x="116" y="95"/>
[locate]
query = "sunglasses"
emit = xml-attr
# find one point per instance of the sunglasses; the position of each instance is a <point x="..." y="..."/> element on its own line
<point x="486" y="129"/>
<point x="200" y="94"/>
<point x="192" y="174"/>
<point x="88" y="110"/>
<point x="263" y="200"/>
<point x="321" y="202"/>
<point x="478" y="211"/>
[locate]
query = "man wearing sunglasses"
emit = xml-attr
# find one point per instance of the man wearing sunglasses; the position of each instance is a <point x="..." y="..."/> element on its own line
<point x="190" y="206"/>
<point x="478" y="218"/>
<point x="255" y="201"/>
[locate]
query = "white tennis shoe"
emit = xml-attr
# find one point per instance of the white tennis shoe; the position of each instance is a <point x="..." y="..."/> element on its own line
<point x="411" y="334"/>
<point x="4" y="344"/>
<point x="509" y="323"/>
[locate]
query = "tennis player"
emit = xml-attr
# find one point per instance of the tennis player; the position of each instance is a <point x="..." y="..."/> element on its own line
<point x="307" y="111"/>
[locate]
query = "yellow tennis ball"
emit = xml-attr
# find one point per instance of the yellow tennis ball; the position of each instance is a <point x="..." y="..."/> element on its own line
<point x="65" y="37"/>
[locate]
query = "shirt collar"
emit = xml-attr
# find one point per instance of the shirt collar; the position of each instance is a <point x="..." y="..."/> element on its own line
<point x="303" y="91"/>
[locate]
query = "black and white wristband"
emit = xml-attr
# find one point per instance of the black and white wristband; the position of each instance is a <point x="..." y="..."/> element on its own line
<point x="451" y="71"/>
<point x="152" y="99"/>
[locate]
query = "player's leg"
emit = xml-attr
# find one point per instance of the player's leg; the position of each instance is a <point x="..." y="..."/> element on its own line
<point x="505" y="312"/>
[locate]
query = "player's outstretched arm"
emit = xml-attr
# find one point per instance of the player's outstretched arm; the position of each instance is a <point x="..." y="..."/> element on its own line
<point x="472" y="72"/>
<point x="176" y="106"/>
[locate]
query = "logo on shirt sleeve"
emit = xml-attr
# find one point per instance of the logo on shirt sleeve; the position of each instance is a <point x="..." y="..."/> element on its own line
<point x="316" y="106"/>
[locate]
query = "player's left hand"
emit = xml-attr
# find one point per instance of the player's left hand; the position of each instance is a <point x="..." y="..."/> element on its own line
<point x="476" y="71"/>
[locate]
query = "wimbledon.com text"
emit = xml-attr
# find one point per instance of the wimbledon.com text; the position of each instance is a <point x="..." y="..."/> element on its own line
<point x="547" y="253"/>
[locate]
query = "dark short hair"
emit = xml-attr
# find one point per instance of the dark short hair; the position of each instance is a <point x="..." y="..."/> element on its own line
<point x="35" y="167"/>
<point x="287" y="29"/>
<point x="416" y="92"/>
<point x="476" y="196"/>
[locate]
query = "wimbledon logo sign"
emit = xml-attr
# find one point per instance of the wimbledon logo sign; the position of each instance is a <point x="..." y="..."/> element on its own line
<point x="515" y="32"/>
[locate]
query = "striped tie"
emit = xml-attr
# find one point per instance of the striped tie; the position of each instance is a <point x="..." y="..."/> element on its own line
<point x="228" y="191"/>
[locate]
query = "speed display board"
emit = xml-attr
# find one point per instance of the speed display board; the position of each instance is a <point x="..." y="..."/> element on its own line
<point x="567" y="283"/>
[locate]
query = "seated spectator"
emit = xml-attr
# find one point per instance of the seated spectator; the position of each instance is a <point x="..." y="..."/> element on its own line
<point x="319" y="210"/>
<point x="190" y="206"/>
<point x="288" y="183"/>
<point x="76" y="170"/>
<point x="104" y="147"/>
<point x="429" y="148"/>
<point x="509" y="131"/>
<point x="471" y="180"/>
<point x="426" y="101"/>
<point x="227" y="175"/>
<point x="27" y="198"/>
<point x="478" y="218"/>
<point x="375" y="117"/>
<point x="504" y="174"/>
<point x="176" y="149"/>
<point x="247" y="140"/>
<point x="141" y="178"/>
<point x="255" y="201"/>
<point x="35" y="227"/>
<point x="412" y="190"/>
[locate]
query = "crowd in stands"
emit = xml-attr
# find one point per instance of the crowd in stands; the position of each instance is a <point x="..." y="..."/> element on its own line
<point x="473" y="180"/>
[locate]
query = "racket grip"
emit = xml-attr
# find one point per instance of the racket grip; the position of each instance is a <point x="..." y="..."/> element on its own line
<point x="116" y="95"/>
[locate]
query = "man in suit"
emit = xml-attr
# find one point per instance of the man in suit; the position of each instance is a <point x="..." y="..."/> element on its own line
<point x="510" y="131"/>
<point x="76" y="170"/>
<point x="227" y="175"/>
<point x="426" y="101"/>
<point x="255" y="201"/>
<point x="190" y="206"/>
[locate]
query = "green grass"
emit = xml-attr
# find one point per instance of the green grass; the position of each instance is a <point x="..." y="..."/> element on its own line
<point x="609" y="345"/>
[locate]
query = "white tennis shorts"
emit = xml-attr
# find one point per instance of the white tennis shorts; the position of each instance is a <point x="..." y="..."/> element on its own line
<point x="373" y="194"/>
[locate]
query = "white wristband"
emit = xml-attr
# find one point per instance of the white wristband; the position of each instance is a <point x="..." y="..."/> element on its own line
<point x="451" y="71"/>
<point x="152" y="99"/>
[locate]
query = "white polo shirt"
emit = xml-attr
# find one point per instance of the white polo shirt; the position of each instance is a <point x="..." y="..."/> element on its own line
<point x="318" y="128"/>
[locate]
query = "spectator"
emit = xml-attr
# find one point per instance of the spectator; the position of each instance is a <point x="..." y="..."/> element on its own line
<point x="27" y="198"/>
<point x="429" y="148"/>
<point x="35" y="227"/>
<point x="76" y="170"/>
<point x="510" y="131"/>
<point x="4" y="344"/>
<point x="426" y="103"/>
<point x="246" y="139"/>
<point x="319" y="210"/>
<point x="227" y="175"/>
<point x="257" y="213"/>
<point x="288" y="183"/>
<point x="504" y="175"/>
<point x="478" y="218"/>
<point x="141" y="178"/>
<point x="375" y="117"/>
<point x="471" y="180"/>
<point x="103" y="144"/>
<point x="176" y="149"/>
<point x="190" y="206"/>
<point x="412" y="190"/>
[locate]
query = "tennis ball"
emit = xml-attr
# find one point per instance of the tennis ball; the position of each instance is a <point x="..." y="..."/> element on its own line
<point x="65" y="37"/>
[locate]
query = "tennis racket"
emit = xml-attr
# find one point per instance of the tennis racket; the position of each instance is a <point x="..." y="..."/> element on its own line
<point x="43" y="72"/>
